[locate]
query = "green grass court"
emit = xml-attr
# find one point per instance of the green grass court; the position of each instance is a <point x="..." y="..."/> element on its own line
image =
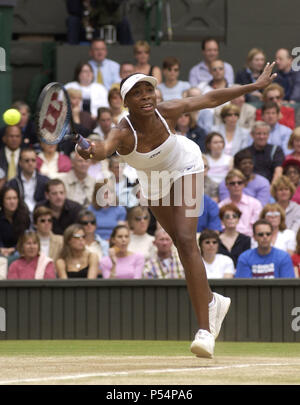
<point x="135" y="362"/>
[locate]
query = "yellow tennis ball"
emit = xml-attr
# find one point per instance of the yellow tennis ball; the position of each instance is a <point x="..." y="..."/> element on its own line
<point x="12" y="116"/>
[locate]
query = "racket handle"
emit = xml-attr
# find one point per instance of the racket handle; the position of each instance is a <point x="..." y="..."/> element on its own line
<point x="83" y="143"/>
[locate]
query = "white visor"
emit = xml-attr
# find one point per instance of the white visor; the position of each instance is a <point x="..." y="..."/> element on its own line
<point x="134" y="79"/>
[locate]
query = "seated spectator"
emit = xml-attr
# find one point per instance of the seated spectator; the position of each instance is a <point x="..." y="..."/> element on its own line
<point x="274" y="92"/>
<point x="121" y="263"/>
<point x="26" y="125"/>
<point x="296" y="256"/>
<point x="79" y="185"/>
<point x="14" y="220"/>
<point x="256" y="185"/>
<point x="50" y="243"/>
<point x="187" y="126"/>
<point x="121" y="183"/>
<point x="171" y="87"/>
<point x="159" y="96"/>
<point x="265" y="261"/>
<point x="32" y="264"/>
<point x="255" y="63"/>
<point x="115" y="102"/>
<point x="29" y="183"/>
<point x="211" y="188"/>
<point x="209" y="219"/>
<point x="164" y="262"/>
<point x="218" y="81"/>
<point x="267" y="158"/>
<point x="106" y="71"/>
<point x="141" y="51"/>
<point x="291" y="169"/>
<point x="287" y="77"/>
<point x="231" y="242"/>
<point x="235" y="137"/>
<point x="3" y="268"/>
<point x="94" y="95"/>
<point x="50" y="162"/>
<point x="104" y="206"/>
<point x="282" y="190"/>
<point x="104" y="122"/>
<point x="75" y="261"/>
<point x="64" y="211"/>
<point x="10" y="151"/>
<point x="93" y="242"/>
<point x="294" y="144"/>
<point x="138" y="221"/>
<point x="219" y="162"/>
<point x="201" y="71"/>
<point x="249" y="206"/>
<point x="126" y="69"/>
<point x="247" y="112"/>
<point x="282" y="238"/>
<point x="279" y="134"/>
<point x="83" y="122"/>
<point x="216" y="264"/>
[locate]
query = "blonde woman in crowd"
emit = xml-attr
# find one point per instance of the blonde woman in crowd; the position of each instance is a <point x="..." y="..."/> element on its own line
<point x="75" y="261"/>
<point x="138" y="221"/>
<point x="141" y="51"/>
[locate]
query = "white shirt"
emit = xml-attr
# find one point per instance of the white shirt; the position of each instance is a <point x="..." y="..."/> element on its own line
<point x="141" y="244"/>
<point x="219" y="267"/>
<point x="49" y="168"/>
<point x="29" y="187"/>
<point x="45" y="245"/>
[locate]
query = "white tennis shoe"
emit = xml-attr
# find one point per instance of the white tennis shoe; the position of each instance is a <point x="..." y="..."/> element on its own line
<point x="217" y="313"/>
<point x="204" y="344"/>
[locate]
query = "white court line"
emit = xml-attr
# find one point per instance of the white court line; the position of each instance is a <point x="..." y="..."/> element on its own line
<point x="127" y="373"/>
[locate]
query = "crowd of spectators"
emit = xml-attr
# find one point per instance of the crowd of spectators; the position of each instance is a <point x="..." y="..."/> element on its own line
<point x="64" y="217"/>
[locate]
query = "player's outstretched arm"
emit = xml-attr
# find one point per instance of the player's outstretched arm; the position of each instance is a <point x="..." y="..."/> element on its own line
<point x="217" y="97"/>
<point x="102" y="149"/>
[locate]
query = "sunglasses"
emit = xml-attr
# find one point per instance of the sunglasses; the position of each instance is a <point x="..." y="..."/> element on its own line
<point x="78" y="236"/>
<point x="217" y="68"/>
<point x="261" y="234"/>
<point x="234" y="183"/>
<point x="209" y="242"/>
<point x="145" y="218"/>
<point x="273" y="214"/>
<point x="274" y="98"/>
<point x="92" y="222"/>
<point x="29" y="160"/>
<point x="232" y="115"/>
<point x="229" y="216"/>
<point x="50" y="220"/>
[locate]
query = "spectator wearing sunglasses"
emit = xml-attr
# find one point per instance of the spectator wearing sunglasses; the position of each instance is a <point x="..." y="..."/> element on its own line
<point x="75" y="261"/>
<point x="217" y="265"/>
<point x="218" y="80"/>
<point x="29" y="183"/>
<point x="51" y="244"/>
<point x="249" y="206"/>
<point x="265" y="261"/>
<point x="235" y="136"/>
<point x="282" y="238"/>
<point x="232" y="242"/>
<point x="274" y="92"/>
<point x="140" y="241"/>
<point x="93" y="242"/>
<point x="171" y="87"/>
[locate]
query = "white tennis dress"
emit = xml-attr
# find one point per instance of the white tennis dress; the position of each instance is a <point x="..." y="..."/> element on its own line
<point x="177" y="156"/>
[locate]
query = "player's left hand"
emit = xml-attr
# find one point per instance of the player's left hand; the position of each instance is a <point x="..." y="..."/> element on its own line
<point x="266" y="77"/>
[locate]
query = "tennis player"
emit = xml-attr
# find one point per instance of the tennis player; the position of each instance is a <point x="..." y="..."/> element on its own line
<point x="170" y="170"/>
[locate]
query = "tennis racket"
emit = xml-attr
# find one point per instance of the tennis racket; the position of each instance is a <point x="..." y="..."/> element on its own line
<point x="54" y="119"/>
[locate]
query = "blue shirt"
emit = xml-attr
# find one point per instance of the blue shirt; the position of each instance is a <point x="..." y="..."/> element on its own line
<point x="210" y="218"/>
<point x="276" y="264"/>
<point x="110" y="72"/>
<point x="170" y="93"/>
<point x="107" y="218"/>
<point x="280" y="135"/>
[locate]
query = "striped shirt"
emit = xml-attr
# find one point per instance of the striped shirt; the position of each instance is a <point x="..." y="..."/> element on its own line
<point x="164" y="268"/>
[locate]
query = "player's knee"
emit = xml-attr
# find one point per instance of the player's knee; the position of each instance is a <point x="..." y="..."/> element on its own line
<point x="185" y="243"/>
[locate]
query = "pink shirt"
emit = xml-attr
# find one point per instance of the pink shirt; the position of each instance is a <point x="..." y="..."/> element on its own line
<point x="20" y="269"/>
<point x="127" y="267"/>
<point x="250" y="208"/>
